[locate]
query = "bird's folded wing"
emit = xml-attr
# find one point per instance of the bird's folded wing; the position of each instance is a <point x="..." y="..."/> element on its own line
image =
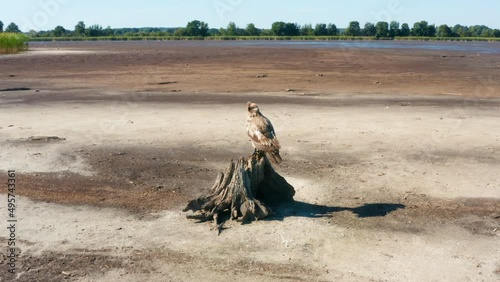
<point x="256" y="135"/>
<point x="261" y="131"/>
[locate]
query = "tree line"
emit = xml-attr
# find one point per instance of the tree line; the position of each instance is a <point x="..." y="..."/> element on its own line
<point x="12" y="27"/>
<point x="419" y="29"/>
<point x="201" y="29"/>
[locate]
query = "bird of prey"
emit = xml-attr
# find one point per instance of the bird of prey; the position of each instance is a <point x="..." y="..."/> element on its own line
<point x="261" y="132"/>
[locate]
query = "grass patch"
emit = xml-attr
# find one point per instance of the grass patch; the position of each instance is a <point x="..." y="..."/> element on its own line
<point x="11" y="43"/>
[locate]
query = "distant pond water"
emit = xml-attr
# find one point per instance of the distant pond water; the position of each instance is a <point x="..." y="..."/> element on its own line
<point x="469" y="47"/>
<point x="458" y="46"/>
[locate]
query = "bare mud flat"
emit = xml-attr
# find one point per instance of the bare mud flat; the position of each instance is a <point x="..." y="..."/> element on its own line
<point x="394" y="155"/>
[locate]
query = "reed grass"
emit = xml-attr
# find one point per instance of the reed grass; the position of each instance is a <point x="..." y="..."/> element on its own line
<point x="11" y="43"/>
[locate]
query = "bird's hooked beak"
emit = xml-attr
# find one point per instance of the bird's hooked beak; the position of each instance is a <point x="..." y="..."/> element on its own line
<point x="252" y="107"/>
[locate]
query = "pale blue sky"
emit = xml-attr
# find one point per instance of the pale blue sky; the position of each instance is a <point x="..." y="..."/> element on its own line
<point x="46" y="14"/>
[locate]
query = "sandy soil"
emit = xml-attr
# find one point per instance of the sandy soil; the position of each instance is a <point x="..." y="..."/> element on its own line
<point x="394" y="155"/>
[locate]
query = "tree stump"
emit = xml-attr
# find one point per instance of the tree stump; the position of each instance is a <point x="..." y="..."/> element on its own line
<point x="244" y="191"/>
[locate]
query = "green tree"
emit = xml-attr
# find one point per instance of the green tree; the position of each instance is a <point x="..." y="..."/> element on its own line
<point x="109" y="31"/>
<point x="33" y="33"/>
<point x="12" y="27"/>
<point x="332" y="30"/>
<point x="285" y="29"/>
<point x="353" y="29"/>
<point x="431" y="31"/>
<point x="479" y="31"/>
<point x="444" y="31"/>
<point x="474" y="30"/>
<point x="393" y="29"/>
<point x="180" y="32"/>
<point x="204" y="29"/>
<point x="495" y="33"/>
<point x="291" y="29"/>
<point x="419" y="28"/>
<point x="80" y="28"/>
<point x="278" y="28"/>
<point x="382" y="29"/>
<point x="405" y="30"/>
<point x="459" y="30"/>
<point x="59" y="31"/>
<point x="307" y="30"/>
<point x="197" y="28"/>
<point x="369" y="29"/>
<point x="231" y="29"/>
<point x="267" y="32"/>
<point x="423" y="28"/>
<point x="251" y="30"/>
<point x="320" y="29"/>
<point x="487" y="32"/>
<point x="161" y="33"/>
<point x="1" y="26"/>
<point x="94" y="30"/>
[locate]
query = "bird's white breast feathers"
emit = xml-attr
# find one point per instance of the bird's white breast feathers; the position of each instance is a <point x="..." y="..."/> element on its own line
<point x="258" y="134"/>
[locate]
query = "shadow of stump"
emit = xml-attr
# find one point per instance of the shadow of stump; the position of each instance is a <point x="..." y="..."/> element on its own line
<point x="302" y="209"/>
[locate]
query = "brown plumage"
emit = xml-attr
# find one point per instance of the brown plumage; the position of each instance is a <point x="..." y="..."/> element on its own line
<point x="261" y="132"/>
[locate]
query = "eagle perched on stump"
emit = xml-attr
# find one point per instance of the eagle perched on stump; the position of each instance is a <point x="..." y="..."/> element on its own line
<point x="261" y="132"/>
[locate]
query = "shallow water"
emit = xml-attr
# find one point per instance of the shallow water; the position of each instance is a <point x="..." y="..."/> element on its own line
<point x="466" y="47"/>
<point x="470" y="47"/>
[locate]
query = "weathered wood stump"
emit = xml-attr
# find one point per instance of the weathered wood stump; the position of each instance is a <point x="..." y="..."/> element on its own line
<point x="244" y="191"/>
